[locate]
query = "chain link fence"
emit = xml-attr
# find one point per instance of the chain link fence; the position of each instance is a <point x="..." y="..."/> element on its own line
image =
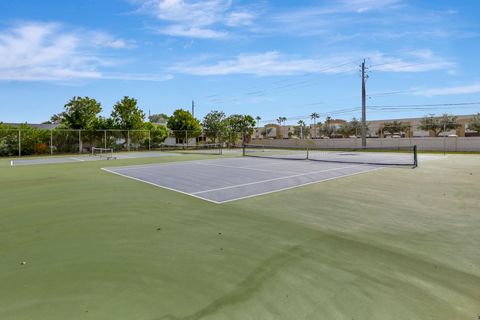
<point x="33" y="141"/>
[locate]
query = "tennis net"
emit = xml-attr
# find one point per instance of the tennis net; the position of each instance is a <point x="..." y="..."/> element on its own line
<point x="211" y="148"/>
<point x="370" y="155"/>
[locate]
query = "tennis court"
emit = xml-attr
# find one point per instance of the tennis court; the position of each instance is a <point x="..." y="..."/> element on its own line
<point x="83" y="158"/>
<point x="224" y="180"/>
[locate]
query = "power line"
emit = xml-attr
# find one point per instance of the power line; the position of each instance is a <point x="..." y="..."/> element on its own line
<point x="412" y="106"/>
<point x="287" y="84"/>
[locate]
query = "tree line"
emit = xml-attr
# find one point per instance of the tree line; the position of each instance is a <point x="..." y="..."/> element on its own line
<point x="84" y="113"/>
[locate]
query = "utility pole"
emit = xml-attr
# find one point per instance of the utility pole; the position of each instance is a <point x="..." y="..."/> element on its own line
<point x="364" y="106"/>
<point x="193" y="108"/>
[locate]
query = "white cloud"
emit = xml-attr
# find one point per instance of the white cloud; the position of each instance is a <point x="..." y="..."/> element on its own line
<point x="361" y="6"/>
<point x="411" y="61"/>
<point x="196" y="19"/>
<point x="191" y="32"/>
<point x="104" y="40"/>
<point x="137" y="76"/>
<point x="341" y="7"/>
<point x="239" y="19"/>
<point x="274" y="63"/>
<point x="446" y="91"/>
<point x="266" y="64"/>
<point x="47" y="52"/>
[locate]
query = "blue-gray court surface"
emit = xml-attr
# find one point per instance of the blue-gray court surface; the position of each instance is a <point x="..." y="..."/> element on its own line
<point x="229" y="179"/>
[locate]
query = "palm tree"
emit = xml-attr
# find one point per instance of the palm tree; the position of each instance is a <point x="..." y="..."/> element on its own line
<point x="301" y="123"/>
<point x="314" y="116"/>
<point x="258" y="118"/>
<point x="284" y="120"/>
<point x="279" y="121"/>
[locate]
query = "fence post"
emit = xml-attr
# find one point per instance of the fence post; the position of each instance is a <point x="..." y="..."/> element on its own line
<point x="186" y="138"/>
<point x="51" y="142"/>
<point x="105" y="138"/>
<point x="80" y="147"/>
<point x="128" y="140"/>
<point x="19" y="143"/>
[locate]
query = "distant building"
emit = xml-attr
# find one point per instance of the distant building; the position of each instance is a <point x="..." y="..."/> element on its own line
<point x="375" y="129"/>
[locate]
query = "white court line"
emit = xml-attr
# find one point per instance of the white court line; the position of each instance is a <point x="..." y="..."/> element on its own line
<point x="160" y="186"/>
<point x="276" y="179"/>
<point x="249" y="196"/>
<point x="264" y="164"/>
<point x="301" y="185"/>
<point x="78" y="159"/>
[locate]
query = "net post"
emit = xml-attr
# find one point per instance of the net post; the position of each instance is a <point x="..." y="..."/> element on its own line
<point x="415" y="156"/>
<point x="128" y="140"/>
<point x="308" y="154"/>
<point x="244" y="150"/>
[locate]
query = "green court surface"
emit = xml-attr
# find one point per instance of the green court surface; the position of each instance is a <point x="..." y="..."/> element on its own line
<point x="396" y="243"/>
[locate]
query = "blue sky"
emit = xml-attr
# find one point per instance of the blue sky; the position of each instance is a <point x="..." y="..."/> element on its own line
<point x="264" y="58"/>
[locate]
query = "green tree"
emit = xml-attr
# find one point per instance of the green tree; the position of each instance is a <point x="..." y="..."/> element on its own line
<point x="395" y="127"/>
<point x="214" y="125"/>
<point x="347" y="130"/>
<point x="55" y="119"/>
<point x="158" y="118"/>
<point x="33" y="140"/>
<point x="79" y="113"/>
<point x="158" y="133"/>
<point x="351" y="128"/>
<point x="474" y="123"/>
<point x="301" y="130"/>
<point x="437" y="125"/>
<point x="8" y="140"/>
<point x="239" y="126"/>
<point x="126" y="115"/>
<point x="102" y="123"/>
<point x="183" y="125"/>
